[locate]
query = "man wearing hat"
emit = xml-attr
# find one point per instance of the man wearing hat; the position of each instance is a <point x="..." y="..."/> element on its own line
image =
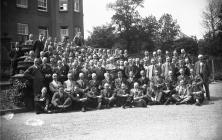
<point x="203" y="69"/>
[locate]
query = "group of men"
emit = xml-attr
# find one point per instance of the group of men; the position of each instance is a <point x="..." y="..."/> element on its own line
<point x="67" y="76"/>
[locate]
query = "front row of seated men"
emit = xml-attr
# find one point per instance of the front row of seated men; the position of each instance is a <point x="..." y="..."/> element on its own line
<point x="119" y="92"/>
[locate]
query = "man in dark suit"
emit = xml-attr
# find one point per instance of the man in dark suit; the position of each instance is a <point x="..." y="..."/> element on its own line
<point x="119" y="80"/>
<point x="203" y="69"/>
<point x="131" y="67"/>
<point x="14" y="55"/>
<point x="38" y="46"/>
<point x="47" y="71"/>
<point x="143" y="80"/>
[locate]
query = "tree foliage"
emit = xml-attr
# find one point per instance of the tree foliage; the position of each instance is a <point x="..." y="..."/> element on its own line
<point x="212" y="42"/>
<point x="134" y="33"/>
<point x="102" y="37"/>
<point x="187" y="43"/>
<point x="211" y="17"/>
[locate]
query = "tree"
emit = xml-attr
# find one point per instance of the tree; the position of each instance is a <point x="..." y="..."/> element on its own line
<point x="187" y="43"/>
<point x="126" y="17"/>
<point x="102" y="37"/>
<point x="211" y="17"/>
<point x="212" y="43"/>
<point x="168" y="31"/>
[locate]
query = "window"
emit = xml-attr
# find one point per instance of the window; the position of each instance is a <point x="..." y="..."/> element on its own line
<point x="63" y="5"/>
<point x="76" y="5"/>
<point x="22" y="29"/>
<point x="64" y="31"/>
<point x="42" y="5"/>
<point x="43" y="31"/>
<point x="77" y="29"/>
<point x="22" y="3"/>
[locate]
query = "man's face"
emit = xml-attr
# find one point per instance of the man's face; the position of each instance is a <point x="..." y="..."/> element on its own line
<point x="36" y="62"/>
<point x="54" y="77"/>
<point x="136" y="85"/>
<point x="201" y="59"/>
<point x="123" y="86"/>
<point x="131" y="74"/>
<point x="69" y="76"/>
<point x="120" y="74"/>
<point x="40" y="37"/>
<point x="94" y="77"/>
<point x="61" y="91"/>
<point x="44" y="61"/>
<point x="142" y="73"/>
<point x="170" y="73"/>
<point x="181" y="71"/>
<point x="167" y="59"/>
<point x="44" y="90"/>
<point x="106" y="86"/>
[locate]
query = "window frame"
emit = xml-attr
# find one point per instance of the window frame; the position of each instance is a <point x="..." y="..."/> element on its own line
<point x="75" y="9"/>
<point x="62" y="29"/>
<point x="20" y="5"/>
<point x="26" y="29"/>
<point x="40" y="6"/>
<point x="60" y="5"/>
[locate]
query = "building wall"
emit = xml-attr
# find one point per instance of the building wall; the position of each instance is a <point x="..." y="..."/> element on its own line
<point x="53" y="18"/>
<point x="69" y="18"/>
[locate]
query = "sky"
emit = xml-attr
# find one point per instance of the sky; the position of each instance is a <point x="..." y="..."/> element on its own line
<point x="188" y="13"/>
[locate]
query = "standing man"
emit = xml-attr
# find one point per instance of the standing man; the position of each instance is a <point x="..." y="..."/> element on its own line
<point x="34" y="73"/>
<point x="203" y="69"/>
<point x="38" y="46"/>
<point x="166" y="67"/>
<point x="151" y="70"/>
<point x="78" y="39"/>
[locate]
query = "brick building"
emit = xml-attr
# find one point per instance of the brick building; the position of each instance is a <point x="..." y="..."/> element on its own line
<point x="54" y="18"/>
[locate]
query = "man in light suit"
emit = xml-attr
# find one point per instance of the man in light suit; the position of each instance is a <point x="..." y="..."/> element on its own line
<point x="203" y="69"/>
<point x="166" y="67"/>
<point x="151" y="69"/>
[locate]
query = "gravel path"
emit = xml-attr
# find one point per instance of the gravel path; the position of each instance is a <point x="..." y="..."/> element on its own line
<point x="183" y="122"/>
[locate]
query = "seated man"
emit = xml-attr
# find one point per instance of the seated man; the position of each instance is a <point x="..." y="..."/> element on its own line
<point x="61" y="100"/>
<point x="119" y="80"/>
<point x="108" y="80"/>
<point x="168" y="91"/>
<point x="150" y="94"/>
<point x="78" y="98"/>
<point x="108" y="97"/>
<point x="183" y="76"/>
<point x="122" y="97"/>
<point x="93" y="98"/>
<point x="30" y="57"/>
<point x="94" y="82"/>
<point x="138" y="96"/>
<point x="55" y="84"/>
<point x="158" y="86"/>
<point x="131" y="80"/>
<point x="82" y="84"/>
<point x="69" y="84"/>
<point x="42" y="102"/>
<point x="143" y="80"/>
<point x="197" y="90"/>
<point x="182" y="95"/>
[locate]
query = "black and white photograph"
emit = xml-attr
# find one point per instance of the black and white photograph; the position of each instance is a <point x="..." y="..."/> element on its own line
<point x="111" y="70"/>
